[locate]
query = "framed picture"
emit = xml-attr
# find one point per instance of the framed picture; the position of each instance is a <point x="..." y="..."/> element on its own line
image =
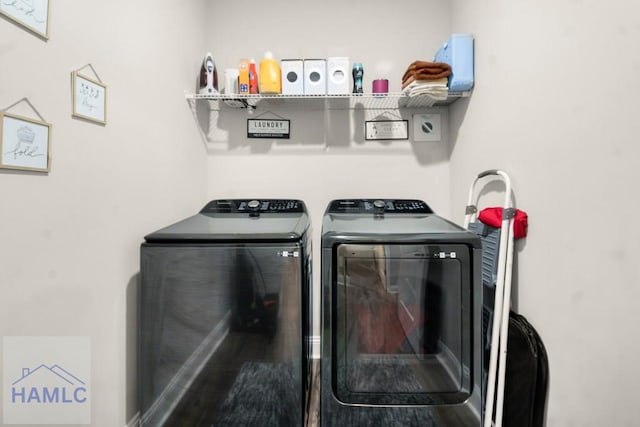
<point x="24" y="143"/>
<point x="31" y="14"/>
<point x="269" y="128"/>
<point x="89" y="98"/>
<point x="386" y="130"/>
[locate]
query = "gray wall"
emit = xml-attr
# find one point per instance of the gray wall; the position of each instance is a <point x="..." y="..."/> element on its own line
<point x="555" y="106"/>
<point x="69" y="239"/>
<point x="327" y="157"/>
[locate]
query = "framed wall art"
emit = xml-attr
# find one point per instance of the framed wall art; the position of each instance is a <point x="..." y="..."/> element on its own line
<point x="386" y="130"/>
<point x="89" y="98"/>
<point x="31" y="14"/>
<point x="24" y="143"/>
<point x="269" y="128"/>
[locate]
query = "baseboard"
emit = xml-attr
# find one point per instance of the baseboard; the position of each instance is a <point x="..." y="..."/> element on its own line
<point x="315" y="346"/>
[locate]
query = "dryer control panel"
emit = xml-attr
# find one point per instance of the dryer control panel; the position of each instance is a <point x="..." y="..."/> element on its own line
<point x="379" y="206"/>
<point x="254" y="206"/>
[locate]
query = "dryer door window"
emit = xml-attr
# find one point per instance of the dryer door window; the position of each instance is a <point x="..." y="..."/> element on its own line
<point x="402" y="324"/>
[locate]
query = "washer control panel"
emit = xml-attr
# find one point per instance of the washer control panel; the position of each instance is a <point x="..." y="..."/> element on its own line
<point x="379" y="206"/>
<point x="252" y="206"/>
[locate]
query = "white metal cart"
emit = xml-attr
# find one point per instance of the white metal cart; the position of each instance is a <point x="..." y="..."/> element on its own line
<point x="497" y="249"/>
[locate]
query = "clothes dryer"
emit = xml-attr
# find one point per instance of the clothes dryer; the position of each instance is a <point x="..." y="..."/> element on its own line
<point x="401" y="319"/>
<point x="224" y="317"/>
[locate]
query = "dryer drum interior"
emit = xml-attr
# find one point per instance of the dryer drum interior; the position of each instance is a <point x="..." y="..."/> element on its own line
<point x="401" y="332"/>
<point x="400" y="335"/>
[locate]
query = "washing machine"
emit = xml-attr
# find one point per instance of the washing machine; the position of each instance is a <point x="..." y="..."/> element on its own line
<point x="401" y="319"/>
<point x="224" y="318"/>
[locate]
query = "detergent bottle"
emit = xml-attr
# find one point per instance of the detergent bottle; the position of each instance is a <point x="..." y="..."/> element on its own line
<point x="270" y="75"/>
<point x="243" y="77"/>
<point x="253" y="77"/>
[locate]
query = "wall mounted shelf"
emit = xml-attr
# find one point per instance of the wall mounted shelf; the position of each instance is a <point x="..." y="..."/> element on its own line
<point x="321" y="102"/>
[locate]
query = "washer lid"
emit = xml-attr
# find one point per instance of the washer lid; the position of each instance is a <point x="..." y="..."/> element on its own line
<point x="387" y="220"/>
<point x="239" y="220"/>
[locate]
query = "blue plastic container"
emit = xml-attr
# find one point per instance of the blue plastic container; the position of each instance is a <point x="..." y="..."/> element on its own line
<point x="457" y="51"/>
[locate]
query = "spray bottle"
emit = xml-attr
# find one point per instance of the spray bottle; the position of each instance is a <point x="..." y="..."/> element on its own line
<point x="253" y="77"/>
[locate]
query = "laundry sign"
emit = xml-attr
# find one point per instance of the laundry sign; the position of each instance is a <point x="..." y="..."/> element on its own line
<point x="268" y="128"/>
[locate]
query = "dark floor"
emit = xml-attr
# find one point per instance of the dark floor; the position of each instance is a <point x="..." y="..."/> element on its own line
<point x="199" y="413"/>
<point x="230" y="373"/>
<point x="196" y="409"/>
<point x="314" y="401"/>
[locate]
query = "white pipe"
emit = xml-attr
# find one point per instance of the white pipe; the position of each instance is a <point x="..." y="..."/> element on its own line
<point x="504" y="330"/>
<point x="495" y="333"/>
<point x="499" y="301"/>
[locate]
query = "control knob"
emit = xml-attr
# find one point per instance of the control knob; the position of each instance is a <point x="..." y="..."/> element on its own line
<point x="378" y="207"/>
<point x="254" y="208"/>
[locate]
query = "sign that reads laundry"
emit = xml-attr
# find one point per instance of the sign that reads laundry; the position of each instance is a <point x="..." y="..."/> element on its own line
<point x="268" y="128"/>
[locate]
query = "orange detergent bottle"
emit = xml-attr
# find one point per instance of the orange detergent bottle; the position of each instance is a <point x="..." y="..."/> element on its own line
<point x="243" y="77"/>
<point x="270" y="75"/>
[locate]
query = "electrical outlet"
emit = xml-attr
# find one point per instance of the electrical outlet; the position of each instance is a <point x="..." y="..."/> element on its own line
<point x="427" y="128"/>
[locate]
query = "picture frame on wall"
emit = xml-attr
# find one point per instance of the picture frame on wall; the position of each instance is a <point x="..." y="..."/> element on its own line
<point x="89" y="98"/>
<point x="376" y="130"/>
<point x="30" y="14"/>
<point x="25" y="143"/>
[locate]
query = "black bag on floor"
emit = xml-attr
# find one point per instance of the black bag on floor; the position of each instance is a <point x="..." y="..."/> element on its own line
<point x="527" y="376"/>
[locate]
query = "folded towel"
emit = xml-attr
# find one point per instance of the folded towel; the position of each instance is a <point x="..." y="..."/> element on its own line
<point x="429" y="91"/>
<point x="427" y="70"/>
<point x="441" y="82"/>
<point x="422" y="75"/>
<point x="428" y="65"/>
<point x="435" y="94"/>
<point x="431" y="84"/>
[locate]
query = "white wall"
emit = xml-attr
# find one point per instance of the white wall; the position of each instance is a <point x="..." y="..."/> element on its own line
<point x="327" y="157"/>
<point x="555" y="106"/>
<point x="69" y="239"/>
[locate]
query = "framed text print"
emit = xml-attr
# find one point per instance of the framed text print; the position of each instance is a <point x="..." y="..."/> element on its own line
<point x="31" y="14"/>
<point x="89" y="98"/>
<point x="386" y="130"/>
<point x="24" y="143"/>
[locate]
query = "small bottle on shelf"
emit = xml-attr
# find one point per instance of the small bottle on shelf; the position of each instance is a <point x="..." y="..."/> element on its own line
<point x="253" y="77"/>
<point x="358" y="73"/>
<point x="243" y="77"/>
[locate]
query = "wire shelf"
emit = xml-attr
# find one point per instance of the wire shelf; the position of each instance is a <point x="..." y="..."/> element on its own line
<point x="330" y="102"/>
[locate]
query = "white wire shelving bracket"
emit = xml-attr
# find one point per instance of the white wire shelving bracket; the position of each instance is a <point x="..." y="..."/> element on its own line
<point x="329" y="102"/>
